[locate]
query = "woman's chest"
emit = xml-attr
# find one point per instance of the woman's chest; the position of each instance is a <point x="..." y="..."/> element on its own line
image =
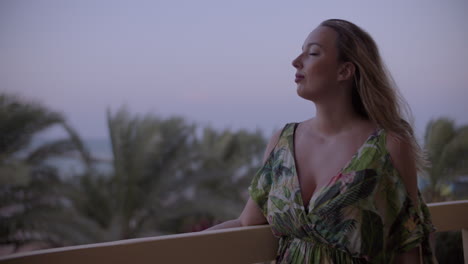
<point x="317" y="162"/>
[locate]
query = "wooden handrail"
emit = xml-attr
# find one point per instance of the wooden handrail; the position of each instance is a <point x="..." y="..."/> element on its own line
<point x="449" y="216"/>
<point x="234" y="245"/>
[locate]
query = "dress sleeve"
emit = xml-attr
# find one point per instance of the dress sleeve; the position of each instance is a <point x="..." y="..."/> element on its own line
<point x="410" y="224"/>
<point x="414" y="227"/>
<point x="260" y="186"/>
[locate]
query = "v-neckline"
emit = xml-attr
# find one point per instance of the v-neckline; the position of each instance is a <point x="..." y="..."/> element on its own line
<point x="317" y="190"/>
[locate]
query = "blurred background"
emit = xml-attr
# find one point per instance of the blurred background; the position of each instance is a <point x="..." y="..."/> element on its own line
<point x="115" y="113"/>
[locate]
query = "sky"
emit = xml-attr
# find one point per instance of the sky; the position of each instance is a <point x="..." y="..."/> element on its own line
<point x="221" y="63"/>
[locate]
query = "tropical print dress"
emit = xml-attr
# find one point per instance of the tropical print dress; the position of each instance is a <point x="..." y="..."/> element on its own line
<point x="363" y="215"/>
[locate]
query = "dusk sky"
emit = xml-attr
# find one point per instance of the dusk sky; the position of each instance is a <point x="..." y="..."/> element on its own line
<point x="223" y="63"/>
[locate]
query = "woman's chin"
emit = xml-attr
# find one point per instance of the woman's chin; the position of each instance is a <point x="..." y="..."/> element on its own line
<point x="308" y="95"/>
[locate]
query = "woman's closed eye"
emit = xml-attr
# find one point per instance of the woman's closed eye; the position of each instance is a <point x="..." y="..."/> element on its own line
<point x="313" y="54"/>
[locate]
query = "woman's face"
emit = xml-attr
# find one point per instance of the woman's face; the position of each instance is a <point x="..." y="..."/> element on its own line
<point x="317" y="65"/>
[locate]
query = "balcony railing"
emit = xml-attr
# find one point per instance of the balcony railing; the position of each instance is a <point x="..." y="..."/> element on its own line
<point x="234" y="245"/>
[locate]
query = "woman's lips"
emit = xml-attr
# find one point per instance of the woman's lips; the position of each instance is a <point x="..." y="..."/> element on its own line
<point x="299" y="78"/>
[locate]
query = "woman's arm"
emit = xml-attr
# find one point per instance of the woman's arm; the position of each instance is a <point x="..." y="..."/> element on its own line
<point x="404" y="162"/>
<point x="228" y="224"/>
<point x="251" y="215"/>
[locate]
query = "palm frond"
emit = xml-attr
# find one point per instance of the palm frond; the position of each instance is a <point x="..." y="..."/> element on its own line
<point x="21" y="120"/>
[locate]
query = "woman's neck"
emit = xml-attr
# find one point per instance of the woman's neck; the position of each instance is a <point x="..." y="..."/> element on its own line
<point x="335" y="116"/>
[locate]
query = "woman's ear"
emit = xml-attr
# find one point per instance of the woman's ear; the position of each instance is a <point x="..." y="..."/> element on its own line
<point x="346" y="71"/>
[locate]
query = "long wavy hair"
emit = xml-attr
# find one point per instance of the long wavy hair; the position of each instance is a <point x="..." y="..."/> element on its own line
<point x="374" y="93"/>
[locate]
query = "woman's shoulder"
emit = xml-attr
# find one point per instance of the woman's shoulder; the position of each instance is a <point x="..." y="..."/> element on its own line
<point x="275" y="138"/>
<point x="287" y="129"/>
<point x="403" y="160"/>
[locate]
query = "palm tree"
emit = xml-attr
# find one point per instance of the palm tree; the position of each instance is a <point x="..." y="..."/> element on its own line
<point x="447" y="149"/>
<point x="30" y="198"/>
<point x="223" y="168"/>
<point x="149" y="159"/>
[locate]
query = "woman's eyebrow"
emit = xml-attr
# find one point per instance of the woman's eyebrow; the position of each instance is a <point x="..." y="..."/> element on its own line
<point x="312" y="43"/>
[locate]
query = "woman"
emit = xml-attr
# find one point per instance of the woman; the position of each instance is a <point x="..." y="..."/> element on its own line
<point x="341" y="187"/>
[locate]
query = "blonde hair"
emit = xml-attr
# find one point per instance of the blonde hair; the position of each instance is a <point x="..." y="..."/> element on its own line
<point x="374" y="93"/>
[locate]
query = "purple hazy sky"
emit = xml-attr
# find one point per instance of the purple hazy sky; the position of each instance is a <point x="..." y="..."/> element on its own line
<point x="224" y="63"/>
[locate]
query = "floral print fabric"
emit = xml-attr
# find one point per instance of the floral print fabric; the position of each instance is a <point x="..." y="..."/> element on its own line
<point x="363" y="215"/>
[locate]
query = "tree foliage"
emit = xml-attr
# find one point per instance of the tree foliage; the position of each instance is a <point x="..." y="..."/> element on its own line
<point x="31" y="197"/>
<point x="447" y="150"/>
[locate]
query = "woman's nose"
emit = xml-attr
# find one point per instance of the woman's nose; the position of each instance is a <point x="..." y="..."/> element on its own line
<point x="296" y="62"/>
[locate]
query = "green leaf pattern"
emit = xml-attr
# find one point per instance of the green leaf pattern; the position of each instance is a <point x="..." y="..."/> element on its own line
<point x="363" y="215"/>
